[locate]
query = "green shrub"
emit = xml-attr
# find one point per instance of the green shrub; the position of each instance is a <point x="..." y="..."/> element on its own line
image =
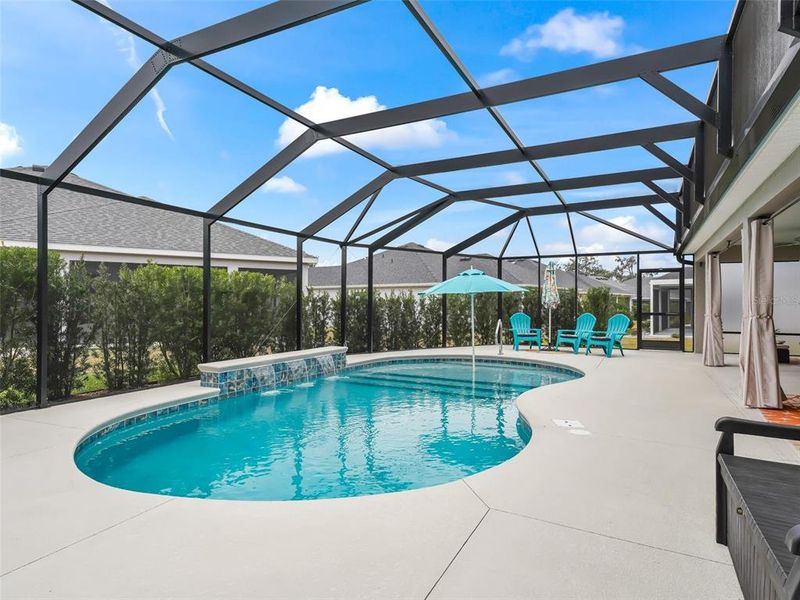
<point x="317" y="319"/>
<point x="603" y="304"/>
<point x="430" y="321"/>
<point x="18" y="322"/>
<point x="126" y="317"/>
<point x="178" y="326"/>
<point x="458" y="320"/>
<point x="251" y="314"/>
<point x="70" y="328"/>
<point x="11" y="398"/>
<point x="356" y="325"/>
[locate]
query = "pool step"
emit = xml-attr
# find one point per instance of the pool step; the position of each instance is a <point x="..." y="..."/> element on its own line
<point x="518" y="387"/>
<point x="451" y="387"/>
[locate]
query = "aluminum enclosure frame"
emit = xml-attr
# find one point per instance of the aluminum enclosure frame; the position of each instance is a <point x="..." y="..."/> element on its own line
<point x="285" y="14"/>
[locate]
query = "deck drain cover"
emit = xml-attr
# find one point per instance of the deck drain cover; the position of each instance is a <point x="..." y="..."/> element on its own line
<point x="568" y="423"/>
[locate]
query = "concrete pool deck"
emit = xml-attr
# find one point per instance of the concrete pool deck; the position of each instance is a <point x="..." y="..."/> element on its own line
<point x="625" y="512"/>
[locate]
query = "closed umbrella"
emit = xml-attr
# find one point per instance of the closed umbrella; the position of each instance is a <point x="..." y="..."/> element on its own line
<point x="550" y="298"/>
<point x="472" y="281"/>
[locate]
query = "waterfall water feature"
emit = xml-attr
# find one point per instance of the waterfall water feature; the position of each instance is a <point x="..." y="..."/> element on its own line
<point x="326" y="364"/>
<point x="299" y="373"/>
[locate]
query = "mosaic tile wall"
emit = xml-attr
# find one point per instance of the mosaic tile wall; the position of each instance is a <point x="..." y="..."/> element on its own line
<point x="264" y="377"/>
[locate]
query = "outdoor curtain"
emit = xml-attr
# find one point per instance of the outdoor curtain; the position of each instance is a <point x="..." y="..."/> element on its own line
<point x="758" y="356"/>
<point x="713" y="353"/>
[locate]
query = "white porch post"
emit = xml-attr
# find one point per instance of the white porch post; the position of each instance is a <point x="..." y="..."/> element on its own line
<point x="758" y="356"/>
<point x="713" y="353"/>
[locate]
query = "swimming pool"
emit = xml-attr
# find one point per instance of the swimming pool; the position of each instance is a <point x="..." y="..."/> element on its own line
<point x="381" y="427"/>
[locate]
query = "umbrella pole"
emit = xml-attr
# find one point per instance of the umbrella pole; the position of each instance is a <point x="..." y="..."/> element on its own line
<point x="472" y="320"/>
<point x="549" y="328"/>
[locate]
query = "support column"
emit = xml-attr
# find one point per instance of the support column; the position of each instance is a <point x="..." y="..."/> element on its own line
<point x="298" y="303"/>
<point x="343" y="300"/>
<point x="206" y="357"/>
<point x="539" y="302"/>
<point x="444" y="304"/>
<point x="42" y="343"/>
<point x="699" y="304"/>
<point x="639" y="302"/>
<point x="370" y="301"/>
<point x="576" y="286"/>
<point x="682" y="306"/>
<point x="500" y="296"/>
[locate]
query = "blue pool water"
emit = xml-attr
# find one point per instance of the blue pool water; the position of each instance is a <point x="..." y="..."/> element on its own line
<point x="372" y="429"/>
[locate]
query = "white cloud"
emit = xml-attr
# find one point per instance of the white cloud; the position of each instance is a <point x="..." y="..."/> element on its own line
<point x="283" y="184"/>
<point x="557" y="248"/>
<point x="438" y="245"/>
<point x="127" y="47"/>
<point x="497" y="77"/>
<point x="599" y="234"/>
<point x="10" y="142"/>
<point x="597" y="33"/>
<point x="161" y="108"/>
<point x="512" y="177"/>
<point x="328" y="104"/>
<point x="596" y="237"/>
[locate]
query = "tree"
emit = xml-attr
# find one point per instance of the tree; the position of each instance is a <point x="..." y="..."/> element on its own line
<point x="624" y="268"/>
<point x="587" y="265"/>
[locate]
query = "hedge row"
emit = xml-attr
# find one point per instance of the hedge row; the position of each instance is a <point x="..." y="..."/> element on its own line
<point x="145" y="325"/>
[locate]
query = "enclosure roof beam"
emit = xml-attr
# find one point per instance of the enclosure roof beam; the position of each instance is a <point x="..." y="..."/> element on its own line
<point x="623" y="229"/>
<point x="658" y="214"/>
<point x="483" y="234"/>
<point x="610" y="253"/>
<point x="639" y="176"/>
<point x="671" y="198"/>
<point x="508" y="239"/>
<point x="669" y="160"/>
<point x="349" y="203"/>
<point x="391" y="223"/>
<point x="533" y="237"/>
<point x="607" y="204"/>
<point x="426" y="213"/>
<point x="620" y="69"/>
<point x="243" y="28"/>
<point x="444" y="47"/>
<point x="363" y="214"/>
<point x="598" y="143"/>
<point x="268" y="170"/>
<point x="147" y="35"/>
<point x="681" y="97"/>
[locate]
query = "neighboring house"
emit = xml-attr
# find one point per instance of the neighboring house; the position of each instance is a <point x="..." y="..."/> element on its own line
<point x="403" y="271"/>
<point x="106" y="231"/>
<point x="629" y="288"/>
<point x="664" y="291"/>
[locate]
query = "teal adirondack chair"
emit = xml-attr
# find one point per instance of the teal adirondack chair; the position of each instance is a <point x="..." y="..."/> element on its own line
<point x="573" y="337"/>
<point x="522" y="331"/>
<point x="617" y="328"/>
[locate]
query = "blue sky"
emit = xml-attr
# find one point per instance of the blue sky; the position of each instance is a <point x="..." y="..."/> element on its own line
<point x="194" y="139"/>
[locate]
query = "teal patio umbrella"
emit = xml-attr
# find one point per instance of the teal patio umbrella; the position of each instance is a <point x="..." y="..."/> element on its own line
<point x="472" y="281"/>
<point x="550" y="298"/>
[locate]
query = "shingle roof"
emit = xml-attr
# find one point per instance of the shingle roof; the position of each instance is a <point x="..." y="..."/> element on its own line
<point x="396" y="268"/>
<point x="85" y="220"/>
